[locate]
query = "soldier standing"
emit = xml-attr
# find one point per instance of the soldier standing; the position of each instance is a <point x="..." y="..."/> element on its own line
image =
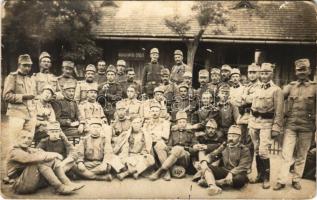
<point x="44" y="77"/>
<point x="215" y="78"/>
<point x="203" y="79"/>
<point x="82" y="86"/>
<point x="300" y="124"/>
<point x="131" y="81"/>
<point x="19" y="93"/>
<point x="112" y="92"/>
<point x="170" y="88"/>
<point x="179" y="68"/>
<point x="121" y="72"/>
<point x="101" y="72"/>
<point x="266" y="120"/>
<point x="236" y="89"/>
<point x="225" y="74"/>
<point x="67" y="77"/>
<point x="67" y="112"/>
<point x="151" y="74"/>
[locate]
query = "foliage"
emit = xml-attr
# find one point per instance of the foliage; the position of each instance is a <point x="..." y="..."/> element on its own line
<point x="28" y="23"/>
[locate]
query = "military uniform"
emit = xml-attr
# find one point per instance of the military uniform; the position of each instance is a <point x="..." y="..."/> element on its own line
<point x="21" y="111"/>
<point x="44" y="114"/>
<point x="97" y="155"/>
<point x="83" y="86"/>
<point x="236" y="91"/>
<point x="121" y="78"/>
<point x="67" y="112"/>
<point x="32" y="168"/>
<point x="90" y="110"/>
<point x="151" y="76"/>
<point x="178" y="149"/>
<point x="134" y="108"/>
<point x="62" y="80"/>
<point x="178" y="70"/>
<point x="225" y="80"/>
<point x="170" y="90"/>
<point x="213" y="87"/>
<point x="267" y="116"/>
<point x="204" y="114"/>
<point x="134" y="150"/>
<point x="299" y="124"/>
<point x="203" y="87"/>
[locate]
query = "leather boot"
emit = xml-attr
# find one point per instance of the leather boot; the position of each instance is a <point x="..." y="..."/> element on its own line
<point x="156" y="175"/>
<point x="59" y="171"/>
<point x="266" y="174"/>
<point x="52" y="179"/>
<point x="106" y="177"/>
<point x="167" y="176"/>
<point x="259" y="169"/>
<point x="122" y="175"/>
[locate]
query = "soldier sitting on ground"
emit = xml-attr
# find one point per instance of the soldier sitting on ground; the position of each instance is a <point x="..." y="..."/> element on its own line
<point x="44" y="112"/>
<point x="30" y="169"/>
<point x="135" y="150"/>
<point x="90" y="109"/>
<point x="95" y="154"/>
<point x="58" y="142"/>
<point x="179" y="149"/>
<point x="235" y="160"/>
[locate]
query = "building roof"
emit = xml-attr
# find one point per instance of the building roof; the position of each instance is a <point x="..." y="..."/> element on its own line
<point x="271" y="21"/>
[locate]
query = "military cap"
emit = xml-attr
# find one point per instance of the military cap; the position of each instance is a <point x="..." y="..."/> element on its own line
<point x="234" y="129"/>
<point x="50" y="88"/>
<point x="91" y="67"/>
<point x="235" y="71"/>
<point x="44" y="54"/>
<point x="68" y="63"/>
<point x="155" y="104"/>
<point x="178" y="52"/>
<point x="266" y="67"/>
<point x="165" y="71"/>
<point x="69" y="85"/>
<point x="224" y="87"/>
<point x="183" y="85"/>
<point x="215" y="71"/>
<point x="181" y="115"/>
<point x="25" y="59"/>
<point x="154" y="50"/>
<point x="226" y="67"/>
<point x="302" y="63"/>
<point x="111" y="68"/>
<point x="159" y="89"/>
<point x="92" y="87"/>
<point x="120" y="105"/>
<point x="121" y="63"/>
<point x="211" y="123"/>
<point x="188" y="74"/>
<point x="94" y="121"/>
<point x="253" y="68"/>
<point x="203" y="73"/>
<point x="53" y="126"/>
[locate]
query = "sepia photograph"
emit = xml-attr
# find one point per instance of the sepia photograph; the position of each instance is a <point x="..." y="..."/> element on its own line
<point x="158" y="99"/>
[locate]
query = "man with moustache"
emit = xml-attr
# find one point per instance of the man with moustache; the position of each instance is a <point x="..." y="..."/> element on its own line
<point x="121" y="75"/>
<point x="179" y="68"/>
<point x="101" y="72"/>
<point x="131" y="81"/>
<point x="299" y="124"/>
<point x="225" y="73"/>
<point x="203" y="79"/>
<point x="266" y="119"/>
<point x="19" y="92"/>
<point x="215" y="78"/>
<point x="82" y="86"/>
<point x="151" y="74"/>
<point x="67" y="76"/>
<point x="170" y="88"/>
<point x="44" y="77"/>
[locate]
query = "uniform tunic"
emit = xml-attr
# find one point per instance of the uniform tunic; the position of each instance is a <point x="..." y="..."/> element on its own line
<point x="62" y="81"/>
<point x="41" y="79"/>
<point x="151" y="77"/>
<point x="177" y="73"/>
<point x="81" y="90"/>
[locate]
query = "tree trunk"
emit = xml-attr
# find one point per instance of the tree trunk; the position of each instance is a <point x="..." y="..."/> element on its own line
<point x="191" y="52"/>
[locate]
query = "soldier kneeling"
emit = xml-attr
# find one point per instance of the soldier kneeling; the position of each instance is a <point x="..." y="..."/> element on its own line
<point x="29" y="169"/>
<point x="179" y="149"/>
<point x="95" y="155"/>
<point x="235" y="160"/>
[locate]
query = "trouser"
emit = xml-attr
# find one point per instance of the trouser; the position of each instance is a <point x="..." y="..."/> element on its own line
<point x="261" y="139"/>
<point x="238" y="180"/>
<point x="160" y="149"/>
<point x="139" y="163"/>
<point x="28" y="181"/>
<point x="295" y="148"/>
<point x="17" y="124"/>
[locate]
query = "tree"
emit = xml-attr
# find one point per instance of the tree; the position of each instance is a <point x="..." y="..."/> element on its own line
<point x="206" y="13"/>
<point x="30" y="24"/>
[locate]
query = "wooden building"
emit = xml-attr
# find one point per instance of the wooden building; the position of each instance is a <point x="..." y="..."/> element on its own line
<point x="279" y="31"/>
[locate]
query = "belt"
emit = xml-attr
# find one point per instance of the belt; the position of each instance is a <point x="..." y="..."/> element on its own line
<point x="245" y="109"/>
<point x="263" y="115"/>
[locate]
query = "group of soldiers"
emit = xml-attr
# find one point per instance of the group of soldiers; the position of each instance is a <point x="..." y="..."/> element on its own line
<point x="161" y="127"/>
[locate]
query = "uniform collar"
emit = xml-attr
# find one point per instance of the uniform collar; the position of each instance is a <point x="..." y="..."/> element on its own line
<point x="304" y="82"/>
<point x="267" y="85"/>
<point x="21" y="74"/>
<point x="236" y="86"/>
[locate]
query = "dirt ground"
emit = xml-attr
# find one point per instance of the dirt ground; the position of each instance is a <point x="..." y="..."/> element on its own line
<point x="176" y="189"/>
